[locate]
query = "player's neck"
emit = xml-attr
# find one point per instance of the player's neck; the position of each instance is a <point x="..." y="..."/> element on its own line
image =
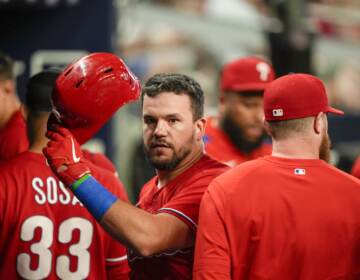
<point x="38" y="145"/>
<point x="166" y="176"/>
<point x="295" y="148"/>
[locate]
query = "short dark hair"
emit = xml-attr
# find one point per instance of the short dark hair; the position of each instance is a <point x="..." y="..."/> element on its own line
<point x="178" y="84"/>
<point x="39" y="89"/>
<point x="6" y="67"/>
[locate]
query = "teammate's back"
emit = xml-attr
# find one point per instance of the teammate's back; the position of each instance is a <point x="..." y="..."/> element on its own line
<point x="302" y="213"/>
<point x="46" y="232"/>
<point x="290" y="215"/>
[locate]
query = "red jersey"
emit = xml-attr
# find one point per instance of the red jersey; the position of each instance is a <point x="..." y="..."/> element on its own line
<point x="219" y="146"/>
<point x="355" y="171"/>
<point x="276" y="218"/>
<point x="181" y="197"/>
<point x="100" y="160"/>
<point x="46" y="233"/>
<point x="13" y="137"/>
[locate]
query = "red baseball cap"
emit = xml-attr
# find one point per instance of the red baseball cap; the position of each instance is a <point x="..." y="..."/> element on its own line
<point x="296" y="96"/>
<point x="246" y="74"/>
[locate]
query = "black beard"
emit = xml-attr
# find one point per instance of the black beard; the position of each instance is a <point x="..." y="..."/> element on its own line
<point x="164" y="166"/>
<point x="236" y="135"/>
<point x="167" y="165"/>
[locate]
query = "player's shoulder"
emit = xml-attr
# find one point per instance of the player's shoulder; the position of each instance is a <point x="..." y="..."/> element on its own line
<point x="22" y="161"/>
<point x="249" y="166"/>
<point x="208" y="163"/>
<point x="208" y="167"/>
<point x="334" y="173"/>
<point x="246" y="171"/>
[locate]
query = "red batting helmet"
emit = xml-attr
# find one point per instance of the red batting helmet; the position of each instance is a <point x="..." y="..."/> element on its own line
<point x="89" y="91"/>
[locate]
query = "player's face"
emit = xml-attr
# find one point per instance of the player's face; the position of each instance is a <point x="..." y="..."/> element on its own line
<point x="245" y="111"/>
<point x="168" y="129"/>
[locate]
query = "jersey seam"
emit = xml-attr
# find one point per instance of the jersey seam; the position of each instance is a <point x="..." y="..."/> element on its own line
<point x="119" y="259"/>
<point x="179" y="213"/>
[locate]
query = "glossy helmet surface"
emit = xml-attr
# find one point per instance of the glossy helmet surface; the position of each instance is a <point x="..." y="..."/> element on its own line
<point x="89" y="91"/>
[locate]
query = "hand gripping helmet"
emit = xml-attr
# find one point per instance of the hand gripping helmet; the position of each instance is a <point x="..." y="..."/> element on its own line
<point x="89" y="91"/>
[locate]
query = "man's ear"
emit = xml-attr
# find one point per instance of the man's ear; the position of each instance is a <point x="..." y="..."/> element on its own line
<point x="200" y="128"/>
<point x="8" y="86"/>
<point x="319" y="123"/>
<point x="267" y="127"/>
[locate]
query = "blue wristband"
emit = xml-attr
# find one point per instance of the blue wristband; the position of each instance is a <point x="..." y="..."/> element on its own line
<point x="93" y="195"/>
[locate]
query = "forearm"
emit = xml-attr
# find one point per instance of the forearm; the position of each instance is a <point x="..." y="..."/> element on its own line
<point x="133" y="227"/>
<point x="130" y="225"/>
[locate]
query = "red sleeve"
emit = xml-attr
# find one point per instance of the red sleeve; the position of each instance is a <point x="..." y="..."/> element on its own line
<point x="117" y="266"/>
<point x="100" y="160"/>
<point x="212" y="254"/>
<point x="185" y="205"/>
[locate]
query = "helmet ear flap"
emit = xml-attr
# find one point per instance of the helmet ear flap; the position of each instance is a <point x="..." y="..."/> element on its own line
<point x="90" y="90"/>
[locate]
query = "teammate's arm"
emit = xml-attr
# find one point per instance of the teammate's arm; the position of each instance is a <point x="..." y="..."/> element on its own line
<point x="145" y="232"/>
<point x="212" y="256"/>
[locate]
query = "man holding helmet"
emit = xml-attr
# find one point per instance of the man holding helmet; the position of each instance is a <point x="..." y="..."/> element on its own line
<point x="160" y="232"/>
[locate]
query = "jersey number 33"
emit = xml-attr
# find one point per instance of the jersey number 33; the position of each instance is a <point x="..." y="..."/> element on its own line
<point x="41" y="248"/>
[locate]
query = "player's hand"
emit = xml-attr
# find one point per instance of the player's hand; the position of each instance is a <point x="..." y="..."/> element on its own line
<point x="64" y="155"/>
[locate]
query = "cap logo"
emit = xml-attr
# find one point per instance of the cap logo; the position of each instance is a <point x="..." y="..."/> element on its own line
<point x="299" y="171"/>
<point x="264" y="71"/>
<point x="277" y="112"/>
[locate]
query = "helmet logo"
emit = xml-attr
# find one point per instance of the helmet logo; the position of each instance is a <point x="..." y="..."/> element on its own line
<point x="124" y="76"/>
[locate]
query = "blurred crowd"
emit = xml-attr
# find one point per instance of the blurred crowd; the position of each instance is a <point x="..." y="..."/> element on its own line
<point x="202" y="50"/>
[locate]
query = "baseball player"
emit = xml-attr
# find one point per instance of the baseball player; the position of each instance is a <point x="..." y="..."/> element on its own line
<point x="160" y="231"/>
<point x="237" y="134"/>
<point x="290" y="215"/>
<point x="13" y="138"/>
<point x="46" y="233"/>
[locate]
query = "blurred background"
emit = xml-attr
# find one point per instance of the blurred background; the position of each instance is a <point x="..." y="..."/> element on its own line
<point x="194" y="37"/>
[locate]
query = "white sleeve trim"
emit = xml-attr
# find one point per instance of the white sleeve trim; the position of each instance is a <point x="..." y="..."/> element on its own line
<point x="120" y="259"/>
<point x="181" y="214"/>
